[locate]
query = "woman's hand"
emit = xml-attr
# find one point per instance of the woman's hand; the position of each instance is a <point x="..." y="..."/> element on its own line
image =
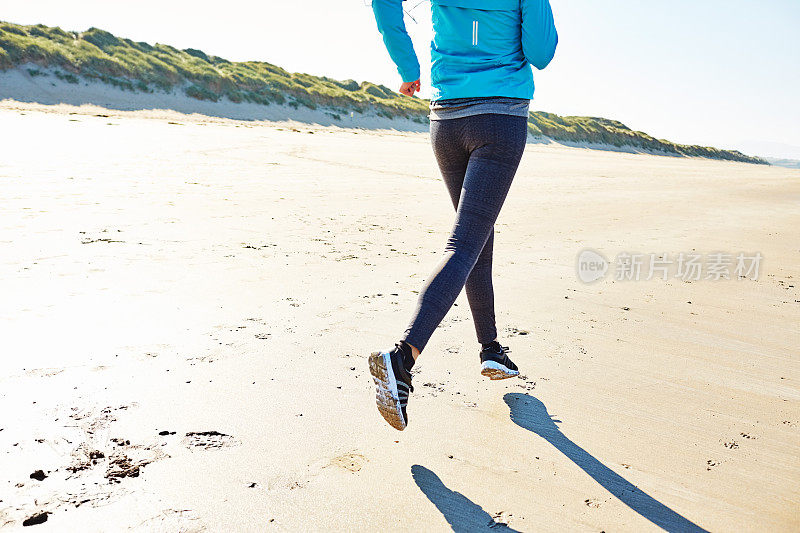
<point x="408" y="88"/>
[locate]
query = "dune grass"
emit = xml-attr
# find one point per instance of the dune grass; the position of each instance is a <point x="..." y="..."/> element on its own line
<point x="137" y="66"/>
<point x="98" y="55"/>
<point x="612" y="132"/>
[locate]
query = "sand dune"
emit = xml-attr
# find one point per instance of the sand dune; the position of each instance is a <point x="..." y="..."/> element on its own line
<point x="188" y="304"/>
<point x="46" y="88"/>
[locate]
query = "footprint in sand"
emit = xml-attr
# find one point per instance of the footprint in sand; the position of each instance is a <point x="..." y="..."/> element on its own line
<point x="121" y="466"/>
<point x="44" y="372"/>
<point x="183" y="520"/>
<point x="93" y="423"/>
<point x="352" y="462"/>
<point x="529" y="384"/>
<point x="89" y="456"/>
<point x="124" y="460"/>
<point x="209" y="440"/>
<point x="435" y="387"/>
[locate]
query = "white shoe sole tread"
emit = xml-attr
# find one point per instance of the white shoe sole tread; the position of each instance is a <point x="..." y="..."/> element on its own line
<point x="386" y="395"/>
<point x="494" y="370"/>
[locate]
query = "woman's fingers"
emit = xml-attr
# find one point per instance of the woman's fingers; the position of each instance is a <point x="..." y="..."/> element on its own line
<point x="408" y="88"/>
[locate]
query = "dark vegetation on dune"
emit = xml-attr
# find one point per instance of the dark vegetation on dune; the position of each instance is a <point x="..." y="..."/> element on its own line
<point x="607" y="131"/>
<point x="137" y="66"/>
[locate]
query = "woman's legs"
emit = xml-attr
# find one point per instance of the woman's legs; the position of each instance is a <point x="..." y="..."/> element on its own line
<point x="480" y="293"/>
<point x="485" y="150"/>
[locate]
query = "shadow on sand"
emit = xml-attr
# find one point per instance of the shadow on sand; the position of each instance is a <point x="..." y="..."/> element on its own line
<point x="459" y="511"/>
<point x="531" y="414"/>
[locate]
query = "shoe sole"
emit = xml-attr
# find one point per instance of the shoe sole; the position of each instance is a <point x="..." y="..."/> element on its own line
<point x="386" y="396"/>
<point x="494" y="370"/>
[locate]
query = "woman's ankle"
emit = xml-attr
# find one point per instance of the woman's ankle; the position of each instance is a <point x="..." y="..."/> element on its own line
<point x="410" y="354"/>
<point x="414" y="352"/>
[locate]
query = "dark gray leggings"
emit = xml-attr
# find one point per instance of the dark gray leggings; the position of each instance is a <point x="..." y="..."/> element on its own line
<point x="478" y="156"/>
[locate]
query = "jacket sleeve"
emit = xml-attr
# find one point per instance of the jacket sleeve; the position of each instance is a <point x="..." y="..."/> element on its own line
<point x="389" y="16"/>
<point x="539" y="35"/>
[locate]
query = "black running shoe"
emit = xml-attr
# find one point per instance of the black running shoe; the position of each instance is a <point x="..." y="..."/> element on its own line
<point x="495" y="364"/>
<point x="392" y="386"/>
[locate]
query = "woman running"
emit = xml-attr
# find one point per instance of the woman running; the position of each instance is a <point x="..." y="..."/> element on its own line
<point x="482" y="85"/>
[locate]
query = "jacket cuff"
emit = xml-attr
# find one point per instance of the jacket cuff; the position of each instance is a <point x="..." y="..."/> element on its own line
<point x="407" y="75"/>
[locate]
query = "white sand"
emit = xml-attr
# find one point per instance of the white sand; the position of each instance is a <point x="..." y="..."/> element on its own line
<point x="224" y="276"/>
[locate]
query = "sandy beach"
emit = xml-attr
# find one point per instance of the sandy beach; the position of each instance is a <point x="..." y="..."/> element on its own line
<point x="188" y="304"/>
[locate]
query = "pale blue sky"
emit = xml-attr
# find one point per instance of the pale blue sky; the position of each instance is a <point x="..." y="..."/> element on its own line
<point x="718" y="72"/>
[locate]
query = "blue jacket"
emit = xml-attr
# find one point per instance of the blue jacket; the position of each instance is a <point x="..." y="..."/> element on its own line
<point x="479" y="48"/>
